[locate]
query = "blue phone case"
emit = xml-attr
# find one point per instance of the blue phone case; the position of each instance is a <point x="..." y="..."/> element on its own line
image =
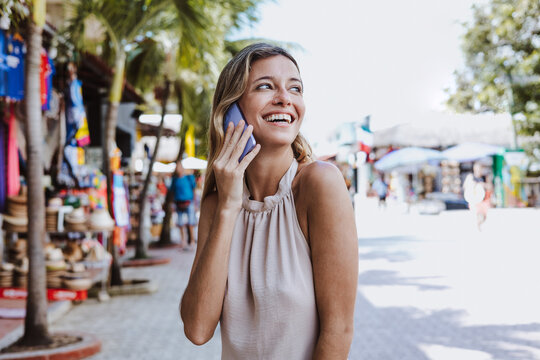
<point x="234" y="115"/>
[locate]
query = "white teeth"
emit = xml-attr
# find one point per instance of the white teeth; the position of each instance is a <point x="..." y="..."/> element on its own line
<point x="275" y="117"/>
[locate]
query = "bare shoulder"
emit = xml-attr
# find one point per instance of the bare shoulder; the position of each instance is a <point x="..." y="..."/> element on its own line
<point x="320" y="177"/>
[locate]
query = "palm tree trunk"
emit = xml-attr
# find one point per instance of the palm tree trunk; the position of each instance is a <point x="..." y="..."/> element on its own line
<point x="35" y="325"/>
<point x="142" y="241"/>
<point x="110" y="144"/>
<point x="165" y="236"/>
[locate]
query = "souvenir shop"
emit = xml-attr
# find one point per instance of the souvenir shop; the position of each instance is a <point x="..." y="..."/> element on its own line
<point x="78" y="224"/>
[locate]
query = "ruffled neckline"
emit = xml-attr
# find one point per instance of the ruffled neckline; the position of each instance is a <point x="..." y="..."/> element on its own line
<point x="269" y="202"/>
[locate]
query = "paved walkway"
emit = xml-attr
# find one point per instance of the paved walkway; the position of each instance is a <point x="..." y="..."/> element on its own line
<point x="433" y="287"/>
<point x="430" y="287"/>
<point x="143" y="326"/>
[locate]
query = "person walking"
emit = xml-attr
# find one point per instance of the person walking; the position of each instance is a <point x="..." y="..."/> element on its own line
<point x="477" y="193"/>
<point x="381" y="188"/>
<point x="277" y="254"/>
<point x="184" y="198"/>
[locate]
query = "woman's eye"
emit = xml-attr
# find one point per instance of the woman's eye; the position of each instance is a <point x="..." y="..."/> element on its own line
<point x="264" y="86"/>
<point x="297" y="89"/>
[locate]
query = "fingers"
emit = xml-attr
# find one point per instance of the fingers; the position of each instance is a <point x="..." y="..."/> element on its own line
<point x="241" y="144"/>
<point x="231" y="142"/>
<point x="248" y="158"/>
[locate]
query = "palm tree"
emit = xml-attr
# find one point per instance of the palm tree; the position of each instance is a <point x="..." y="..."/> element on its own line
<point x="35" y="325"/>
<point x="124" y="21"/>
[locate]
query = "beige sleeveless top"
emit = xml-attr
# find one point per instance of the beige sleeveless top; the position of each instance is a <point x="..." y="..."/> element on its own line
<point x="269" y="310"/>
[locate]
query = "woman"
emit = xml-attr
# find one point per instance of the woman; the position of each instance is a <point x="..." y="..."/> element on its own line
<point x="277" y="255"/>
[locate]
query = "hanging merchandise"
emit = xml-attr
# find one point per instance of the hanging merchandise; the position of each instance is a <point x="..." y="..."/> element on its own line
<point x="49" y="83"/>
<point x="3" y="64"/>
<point x="45" y="77"/>
<point x="15" y="61"/>
<point x="3" y="177"/>
<point x="120" y="200"/>
<point x="13" y="181"/>
<point x="120" y="211"/>
<point x="76" y="123"/>
<point x="98" y="191"/>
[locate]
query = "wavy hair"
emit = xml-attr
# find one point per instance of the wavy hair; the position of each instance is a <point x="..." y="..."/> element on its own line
<point x="232" y="83"/>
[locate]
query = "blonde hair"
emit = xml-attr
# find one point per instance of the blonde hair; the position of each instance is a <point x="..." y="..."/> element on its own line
<point x="232" y="83"/>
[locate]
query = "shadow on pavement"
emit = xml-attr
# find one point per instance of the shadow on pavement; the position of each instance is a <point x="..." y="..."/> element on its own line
<point x="400" y="332"/>
<point x="391" y="278"/>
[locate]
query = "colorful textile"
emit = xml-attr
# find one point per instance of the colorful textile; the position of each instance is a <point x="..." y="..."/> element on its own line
<point x="43" y="74"/>
<point x="3" y="64"/>
<point x="52" y="71"/>
<point x="76" y="123"/>
<point x="13" y="181"/>
<point x="15" y="76"/>
<point x="120" y="200"/>
<point x="3" y="177"/>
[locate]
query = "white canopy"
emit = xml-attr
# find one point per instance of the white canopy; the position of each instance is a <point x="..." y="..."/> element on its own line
<point x="447" y="129"/>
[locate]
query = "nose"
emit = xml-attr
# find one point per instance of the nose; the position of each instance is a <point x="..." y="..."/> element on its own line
<point x="282" y="97"/>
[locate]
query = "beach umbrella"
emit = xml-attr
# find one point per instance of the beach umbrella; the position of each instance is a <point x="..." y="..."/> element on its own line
<point x="471" y="151"/>
<point x="408" y="160"/>
<point x="194" y="163"/>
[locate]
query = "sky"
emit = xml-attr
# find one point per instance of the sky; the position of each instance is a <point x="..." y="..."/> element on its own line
<point x="389" y="59"/>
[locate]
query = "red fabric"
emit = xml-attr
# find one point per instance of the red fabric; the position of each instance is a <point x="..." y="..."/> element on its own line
<point x="13" y="181"/>
<point x="44" y="71"/>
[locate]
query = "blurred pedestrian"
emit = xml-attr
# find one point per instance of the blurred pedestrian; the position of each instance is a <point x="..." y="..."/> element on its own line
<point x="477" y="193"/>
<point x="381" y="188"/>
<point x="277" y="254"/>
<point x="184" y="185"/>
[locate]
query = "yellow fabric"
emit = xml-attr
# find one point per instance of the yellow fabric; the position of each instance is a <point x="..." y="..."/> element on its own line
<point x="190" y="141"/>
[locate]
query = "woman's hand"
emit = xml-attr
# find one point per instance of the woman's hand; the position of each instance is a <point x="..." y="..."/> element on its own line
<point x="228" y="171"/>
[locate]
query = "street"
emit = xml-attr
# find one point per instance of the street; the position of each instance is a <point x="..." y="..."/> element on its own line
<point x="430" y="287"/>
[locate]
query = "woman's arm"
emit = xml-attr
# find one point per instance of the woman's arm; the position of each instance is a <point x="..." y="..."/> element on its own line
<point x="202" y="301"/>
<point x="334" y="250"/>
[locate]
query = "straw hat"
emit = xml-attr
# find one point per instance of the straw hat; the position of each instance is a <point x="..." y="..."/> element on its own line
<point x="100" y="220"/>
<point x="77" y="216"/>
<point x="76" y="220"/>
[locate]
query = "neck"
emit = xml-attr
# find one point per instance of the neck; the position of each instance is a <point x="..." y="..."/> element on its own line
<point x="266" y="170"/>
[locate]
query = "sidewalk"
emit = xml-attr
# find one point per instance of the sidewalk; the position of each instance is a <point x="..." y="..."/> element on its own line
<point x="143" y="326"/>
<point x="12" y="329"/>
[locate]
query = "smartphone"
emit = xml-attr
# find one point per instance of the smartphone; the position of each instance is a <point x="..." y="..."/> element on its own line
<point x="234" y="115"/>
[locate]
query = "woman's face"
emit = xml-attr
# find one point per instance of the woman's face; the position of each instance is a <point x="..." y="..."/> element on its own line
<point x="273" y="101"/>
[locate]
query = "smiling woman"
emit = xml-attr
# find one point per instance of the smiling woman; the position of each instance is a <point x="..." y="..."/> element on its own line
<point x="277" y="257"/>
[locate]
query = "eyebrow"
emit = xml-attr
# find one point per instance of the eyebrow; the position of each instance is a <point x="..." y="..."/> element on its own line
<point x="272" y="78"/>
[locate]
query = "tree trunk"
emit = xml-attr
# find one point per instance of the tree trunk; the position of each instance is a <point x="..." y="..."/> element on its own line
<point x="110" y="144"/>
<point x="142" y="241"/>
<point x="165" y="236"/>
<point x="35" y="325"/>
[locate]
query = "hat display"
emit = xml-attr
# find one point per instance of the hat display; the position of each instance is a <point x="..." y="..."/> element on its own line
<point x="20" y="274"/>
<point x="51" y="219"/>
<point x="16" y="205"/>
<point x="6" y="275"/>
<point x="100" y="220"/>
<point x="16" y="219"/>
<point x="76" y="220"/>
